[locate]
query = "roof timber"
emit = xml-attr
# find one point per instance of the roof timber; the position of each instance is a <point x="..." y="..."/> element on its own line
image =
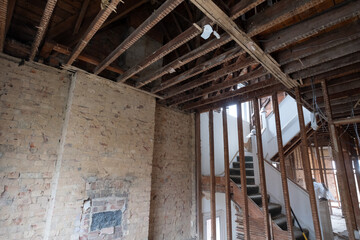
<point x="81" y="16"/>
<point x="45" y="19"/>
<point x="92" y="29"/>
<point x="156" y="17"/>
<point x="320" y="43"/>
<point x="183" y="38"/>
<point x="241" y="7"/>
<point x="312" y="26"/>
<point x="3" y="13"/>
<point x="324" y="56"/>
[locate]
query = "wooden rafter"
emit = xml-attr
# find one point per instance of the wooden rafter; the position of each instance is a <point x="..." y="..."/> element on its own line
<point x="3" y="13"/>
<point x="81" y="16"/>
<point x="217" y="15"/>
<point x="45" y="19"/>
<point x="9" y="16"/>
<point x="156" y="17"/>
<point x="92" y="29"/>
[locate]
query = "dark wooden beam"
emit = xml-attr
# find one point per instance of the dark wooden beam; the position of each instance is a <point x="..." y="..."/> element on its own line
<point x="3" y="14"/>
<point x="149" y="23"/>
<point x="244" y="6"/>
<point x="312" y="26"/>
<point x="172" y="45"/>
<point x="340" y="166"/>
<point x="307" y="167"/>
<point x="9" y="16"/>
<point x="320" y="43"/>
<point x="260" y="156"/>
<point x="346" y="121"/>
<point x="92" y="29"/>
<point x="212" y="176"/>
<point x="229" y="94"/>
<point x="322" y="57"/>
<point x="211" y="10"/>
<point x="245" y="207"/>
<point x="45" y="19"/>
<point x="210" y="77"/>
<point x="317" y="152"/>
<point x="328" y="66"/>
<point x="284" y="179"/>
<point x="81" y="16"/>
<point x="199" y="214"/>
<point x="270" y="16"/>
<point x="216" y="61"/>
<point x="227" y="176"/>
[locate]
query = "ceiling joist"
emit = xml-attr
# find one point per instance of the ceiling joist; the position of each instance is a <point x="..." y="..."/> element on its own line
<point x="3" y="14"/>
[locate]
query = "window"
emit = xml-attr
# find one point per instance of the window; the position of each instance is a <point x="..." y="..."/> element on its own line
<point x="220" y="225"/>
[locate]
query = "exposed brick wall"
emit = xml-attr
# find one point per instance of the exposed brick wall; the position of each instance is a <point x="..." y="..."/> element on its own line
<point x="32" y="103"/>
<point x="90" y="143"/>
<point x="172" y="194"/>
<point x="109" y="139"/>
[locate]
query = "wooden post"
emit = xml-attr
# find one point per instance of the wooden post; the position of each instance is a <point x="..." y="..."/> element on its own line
<point x="356" y="163"/>
<point x="345" y="140"/>
<point x="260" y="154"/>
<point x="324" y="165"/>
<point x="313" y="169"/>
<point x="227" y="176"/>
<point x="282" y="166"/>
<point x="198" y="175"/>
<point x="340" y="167"/>
<point x="245" y="207"/>
<point x="212" y="176"/>
<point x="306" y="166"/>
<point x="318" y="158"/>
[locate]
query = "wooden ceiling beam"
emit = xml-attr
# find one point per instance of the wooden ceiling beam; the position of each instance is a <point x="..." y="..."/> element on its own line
<point x="320" y="43"/>
<point x="81" y="16"/>
<point x="216" y="61"/>
<point x="239" y="9"/>
<point x="244" y="98"/>
<point x="328" y="66"/>
<point x="9" y="16"/>
<point x="92" y="29"/>
<point x="211" y="10"/>
<point x="3" y="14"/>
<point x="322" y="57"/>
<point x="277" y="13"/>
<point x="149" y="23"/>
<point x="230" y="94"/>
<point x="220" y="86"/>
<point x="312" y="26"/>
<point x="44" y="22"/>
<point x="210" y="77"/>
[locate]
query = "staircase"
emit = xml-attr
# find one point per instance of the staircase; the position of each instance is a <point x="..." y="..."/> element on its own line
<point x="254" y="194"/>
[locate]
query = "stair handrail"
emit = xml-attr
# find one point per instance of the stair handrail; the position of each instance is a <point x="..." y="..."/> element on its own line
<point x="233" y="158"/>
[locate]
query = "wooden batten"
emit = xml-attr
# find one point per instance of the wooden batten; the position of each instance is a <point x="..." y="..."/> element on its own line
<point x="284" y="180"/>
<point x="340" y="167"/>
<point x="3" y="18"/>
<point x="317" y="152"/>
<point x="245" y="208"/>
<point x="307" y="168"/>
<point x="200" y="227"/>
<point x="260" y="155"/>
<point x="227" y="176"/>
<point x="212" y="176"/>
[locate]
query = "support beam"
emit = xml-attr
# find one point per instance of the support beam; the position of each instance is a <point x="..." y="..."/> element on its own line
<point x="45" y="19"/>
<point x="312" y="26"/>
<point x="9" y="16"/>
<point x="260" y="155"/>
<point x="92" y="29"/>
<point x="356" y="163"/>
<point x="3" y="15"/>
<point x="200" y="68"/>
<point x="340" y="167"/>
<point x="345" y="121"/>
<point x="81" y="16"/>
<point x="149" y="23"/>
<point x="318" y="157"/>
<point x="200" y="227"/>
<point x="307" y="168"/>
<point x="212" y="176"/>
<point x="284" y="180"/>
<point x="244" y="200"/>
<point x="211" y="10"/>
<point x="227" y="175"/>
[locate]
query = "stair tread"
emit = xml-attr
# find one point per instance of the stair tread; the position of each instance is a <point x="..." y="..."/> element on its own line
<point x="237" y="176"/>
<point x="298" y="234"/>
